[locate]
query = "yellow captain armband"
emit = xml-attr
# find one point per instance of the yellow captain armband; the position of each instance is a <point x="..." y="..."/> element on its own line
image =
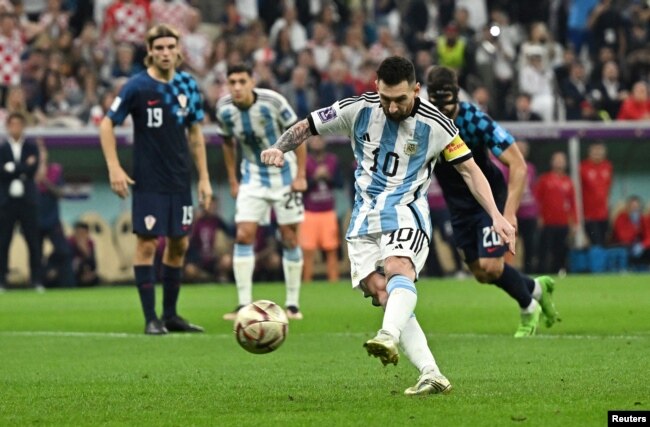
<point x="456" y="149"/>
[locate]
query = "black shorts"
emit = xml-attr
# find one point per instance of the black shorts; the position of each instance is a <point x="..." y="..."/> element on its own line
<point x="162" y="214"/>
<point x="475" y="237"/>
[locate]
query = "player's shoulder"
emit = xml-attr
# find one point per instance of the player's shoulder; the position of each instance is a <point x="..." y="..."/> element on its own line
<point x="269" y="96"/>
<point x="429" y="113"/>
<point x="365" y="99"/>
<point x="186" y="78"/>
<point x="225" y="102"/>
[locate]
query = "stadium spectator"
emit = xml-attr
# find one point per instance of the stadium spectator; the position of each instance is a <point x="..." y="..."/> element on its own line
<point x="375" y="237"/>
<point x="19" y="161"/>
<point x="320" y="230"/>
<point x="16" y="103"/>
<point x="126" y="21"/>
<point x="637" y="105"/>
<point x="538" y="81"/>
<point x="175" y="13"/>
<point x="250" y="119"/>
<point x="49" y="179"/>
<point x="196" y="45"/>
<point x="632" y="230"/>
<point x="483" y="251"/>
<point x="556" y="198"/>
<point x="124" y="65"/>
<point x="162" y="199"/>
<point x="321" y="44"/>
<point x="578" y="23"/>
<point x="335" y="86"/>
<point x="607" y="29"/>
<point x="540" y="42"/>
<point x="298" y="93"/>
<point x="522" y="111"/>
<point x="205" y="261"/>
<point x="596" y="175"/>
<point x="297" y="32"/>
<point x="451" y="49"/>
<point x="574" y="91"/>
<point x="84" y="259"/>
<point x="608" y="92"/>
<point x="12" y="46"/>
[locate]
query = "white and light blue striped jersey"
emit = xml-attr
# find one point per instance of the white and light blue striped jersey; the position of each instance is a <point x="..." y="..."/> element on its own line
<point x="394" y="160"/>
<point x="255" y="129"/>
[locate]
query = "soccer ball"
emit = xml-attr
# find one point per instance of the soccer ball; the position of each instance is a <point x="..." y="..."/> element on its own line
<point x="261" y="327"/>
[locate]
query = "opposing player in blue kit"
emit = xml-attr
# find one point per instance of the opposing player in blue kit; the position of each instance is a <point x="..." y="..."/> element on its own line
<point x="165" y="106"/>
<point x="481" y="248"/>
<point x="396" y="139"/>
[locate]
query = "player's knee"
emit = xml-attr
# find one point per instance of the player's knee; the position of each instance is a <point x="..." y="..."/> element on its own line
<point x="488" y="271"/>
<point x="399" y="266"/>
<point x="244" y="236"/>
<point x="146" y="248"/>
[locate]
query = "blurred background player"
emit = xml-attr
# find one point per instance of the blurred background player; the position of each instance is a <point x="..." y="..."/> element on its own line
<point x="253" y="118"/>
<point x="596" y="179"/>
<point x="84" y="261"/>
<point x="320" y="230"/>
<point x="481" y="247"/>
<point x="166" y="109"/>
<point x="396" y="139"/>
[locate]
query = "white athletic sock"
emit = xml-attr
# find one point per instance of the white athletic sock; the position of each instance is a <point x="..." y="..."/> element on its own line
<point x="243" y="265"/>
<point x="402" y="298"/>
<point x="415" y="347"/>
<point x="537" y="291"/>
<point x="292" y="267"/>
<point x="531" y="307"/>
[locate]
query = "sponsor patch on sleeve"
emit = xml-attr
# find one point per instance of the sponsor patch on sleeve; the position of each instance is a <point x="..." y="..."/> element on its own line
<point x="326" y="114"/>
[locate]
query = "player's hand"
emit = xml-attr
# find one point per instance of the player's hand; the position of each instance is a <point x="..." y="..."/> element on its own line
<point x="299" y="184"/>
<point x="506" y="231"/>
<point x="512" y="219"/>
<point x="205" y="194"/>
<point x="273" y="156"/>
<point x="120" y="181"/>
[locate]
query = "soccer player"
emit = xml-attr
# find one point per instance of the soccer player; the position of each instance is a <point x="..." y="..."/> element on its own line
<point x="165" y="106"/>
<point x="254" y="118"/>
<point x="396" y="139"/>
<point x="482" y="249"/>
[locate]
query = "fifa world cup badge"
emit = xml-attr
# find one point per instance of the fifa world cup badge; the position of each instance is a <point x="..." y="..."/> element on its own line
<point x="411" y="147"/>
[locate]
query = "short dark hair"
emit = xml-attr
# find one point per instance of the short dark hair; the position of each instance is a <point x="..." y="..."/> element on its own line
<point x="239" y="68"/>
<point x="16" y="115"/>
<point x="442" y="78"/>
<point x="82" y="225"/>
<point x="396" y="69"/>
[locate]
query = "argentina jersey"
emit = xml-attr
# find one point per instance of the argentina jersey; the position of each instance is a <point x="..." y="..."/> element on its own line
<point x="394" y="160"/>
<point x="482" y="135"/>
<point x="161" y="113"/>
<point x="256" y="129"/>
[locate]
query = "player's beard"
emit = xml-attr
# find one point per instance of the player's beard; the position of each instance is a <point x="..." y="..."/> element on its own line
<point x="396" y="117"/>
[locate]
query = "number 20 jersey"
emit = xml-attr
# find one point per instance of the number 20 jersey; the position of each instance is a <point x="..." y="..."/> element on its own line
<point x="394" y="160"/>
<point x="255" y="129"/>
<point x="161" y="114"/>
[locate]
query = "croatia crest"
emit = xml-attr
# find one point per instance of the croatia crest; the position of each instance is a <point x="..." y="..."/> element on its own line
<point x="149" y="221"/>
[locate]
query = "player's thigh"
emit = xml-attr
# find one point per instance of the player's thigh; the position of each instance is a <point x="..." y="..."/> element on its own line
<point x="252" y="205"/>
<point x="404" y="244"/>
<point x="162" y="214"/>
<point x="365" y="257"/>
<point x="288" y="206"/>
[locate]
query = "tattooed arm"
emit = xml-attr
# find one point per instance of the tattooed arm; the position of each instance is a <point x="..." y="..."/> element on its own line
<point x="288" y="141"/>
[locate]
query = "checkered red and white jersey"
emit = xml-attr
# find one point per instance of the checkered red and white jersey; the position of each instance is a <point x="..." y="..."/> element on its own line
<point x="173" y="13"/>
<point x="10" y="50"/>
<point x="129" y="21"/>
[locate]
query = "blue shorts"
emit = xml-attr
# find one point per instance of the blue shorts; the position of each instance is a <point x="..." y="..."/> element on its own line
<point x="162" y="214"/>
<point x="475" y="237"/>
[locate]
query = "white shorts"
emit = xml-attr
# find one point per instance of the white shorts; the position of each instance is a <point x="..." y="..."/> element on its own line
<point x="368" y="252"/>
<point x="254" y="204"/>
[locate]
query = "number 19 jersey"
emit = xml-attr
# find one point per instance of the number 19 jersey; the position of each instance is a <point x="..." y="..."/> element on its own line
<point x="255" y="129"/>
<point x="394" y="160"/>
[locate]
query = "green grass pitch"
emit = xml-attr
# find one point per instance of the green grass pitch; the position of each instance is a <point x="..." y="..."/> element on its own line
<point x="78" y="357"/>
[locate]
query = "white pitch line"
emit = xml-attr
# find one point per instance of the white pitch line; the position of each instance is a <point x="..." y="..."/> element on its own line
<point x="77" y="334"/>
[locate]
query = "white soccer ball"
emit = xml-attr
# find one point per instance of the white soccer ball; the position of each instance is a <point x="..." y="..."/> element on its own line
<point x="261" y="327"/>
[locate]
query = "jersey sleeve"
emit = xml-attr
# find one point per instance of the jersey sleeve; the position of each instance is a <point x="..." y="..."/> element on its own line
<point x="224" y="124"/>
<point x="495" y="137"/>
<point x="336" y="119"/>
<point x="286" y="116"/>
<point x="121" y="106"/>
<point x="196" y="113"/>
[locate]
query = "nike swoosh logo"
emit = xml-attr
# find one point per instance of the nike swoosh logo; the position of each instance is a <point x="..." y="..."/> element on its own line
<point x="490" y="250"/>
<point x="153" y="102"/>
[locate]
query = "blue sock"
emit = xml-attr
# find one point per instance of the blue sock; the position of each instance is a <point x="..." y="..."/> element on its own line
<point x="145" y="281"/>
<point x="512" y="282"/>
<point x="171" y="279"/>
<point x="530" y="283"/>
<point x="294" y="254"/>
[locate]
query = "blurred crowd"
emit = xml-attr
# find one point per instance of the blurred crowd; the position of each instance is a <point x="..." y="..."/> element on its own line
<point x="65" y="60"/>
